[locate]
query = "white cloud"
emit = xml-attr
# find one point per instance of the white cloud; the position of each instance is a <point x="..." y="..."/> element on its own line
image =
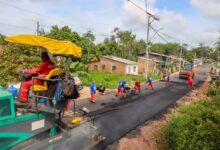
<point x="135" y="15"/>
<point x="182" y="28"/>
<point x="172" y="22"/>
<point x="206" y="37"/>
<point x="103" y="16"/>
<point x="208" y="8"/>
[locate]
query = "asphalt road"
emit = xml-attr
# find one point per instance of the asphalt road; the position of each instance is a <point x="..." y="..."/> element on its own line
<point x="120" y="119"/>
<point x="114" y="117"/>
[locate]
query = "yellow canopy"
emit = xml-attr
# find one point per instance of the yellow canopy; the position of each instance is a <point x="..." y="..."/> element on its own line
<point x="56" y="47"/>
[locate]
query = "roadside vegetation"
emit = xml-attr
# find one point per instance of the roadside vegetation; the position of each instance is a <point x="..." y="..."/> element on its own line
<point x="110" y="80"/>
<point x="194" y="126"/>
<point x="15" y="58"/>
<point x="123" y="44"/>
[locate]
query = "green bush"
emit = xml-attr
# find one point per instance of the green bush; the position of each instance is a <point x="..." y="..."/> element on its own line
<point x="195" y="126"/>
<point x="15" y="58"/>
<point x="212" y="91"/>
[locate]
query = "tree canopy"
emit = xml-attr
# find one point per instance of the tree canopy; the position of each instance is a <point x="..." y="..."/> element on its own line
<point x="121" y="43"/>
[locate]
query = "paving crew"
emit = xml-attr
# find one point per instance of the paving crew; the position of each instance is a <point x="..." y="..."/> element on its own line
<point x="93" y="91"/>
<point x="42" y="70"/>
<point x="121" y="88"/>
<point x="137" y="86"/>
<point x="149" y="83"/>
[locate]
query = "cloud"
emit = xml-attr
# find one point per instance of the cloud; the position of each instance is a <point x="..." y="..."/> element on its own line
<point x="135" y="12"/>
<point x="103" y="16"/>
<point x="171" y="21"/>
<point x="208" y="8"/>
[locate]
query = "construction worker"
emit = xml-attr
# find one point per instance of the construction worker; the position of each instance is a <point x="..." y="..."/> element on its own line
<point x="168" y="79"/>
<point x="93" y="91"/>
<point x="164" y="73"/>
<point x="190" y="82"/>
<point x="149" y="83"/>
<point x="121" y="88"/>
<point x="137" y="86"/>
<point x="42" y="70"/>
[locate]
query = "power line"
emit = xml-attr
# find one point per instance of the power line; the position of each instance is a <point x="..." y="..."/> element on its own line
<point x="39" y="14"/>
<point x="159" y="34"/>
<point x="143" y="9"/>
<point x="16" y="26"/>
<point x="102" y="34"/>
<point x="22" y="9"/>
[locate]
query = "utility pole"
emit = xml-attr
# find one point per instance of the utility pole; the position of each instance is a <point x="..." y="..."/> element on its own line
<point x="218" y="55"/>
<point x="218" y="59"/>
<point x="149" y="16"/>
<point x="38" y="27"/>
<point x="181" y="51"/>
<point x="146" y="53"/>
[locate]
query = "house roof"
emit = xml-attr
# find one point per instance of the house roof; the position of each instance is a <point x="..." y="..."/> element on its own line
<point x="168" y="56"/>
<point x="150" y="59"/>
<point x="158" y="54"/>
<point x="122" y="60"/>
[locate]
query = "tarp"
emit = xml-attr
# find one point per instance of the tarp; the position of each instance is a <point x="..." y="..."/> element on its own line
<point x="55" y="47"/>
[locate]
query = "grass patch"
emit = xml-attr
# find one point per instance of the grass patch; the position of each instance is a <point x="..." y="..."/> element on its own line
<point x="194" y="126"/>
<point x="110" y="80"/>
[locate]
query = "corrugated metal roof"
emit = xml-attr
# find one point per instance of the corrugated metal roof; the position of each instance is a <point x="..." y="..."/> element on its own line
<point x="126" y="61"/>
<point x="150" y="59"/>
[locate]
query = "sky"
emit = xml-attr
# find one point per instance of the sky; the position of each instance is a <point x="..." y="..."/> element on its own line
<point x="182" y="21"/>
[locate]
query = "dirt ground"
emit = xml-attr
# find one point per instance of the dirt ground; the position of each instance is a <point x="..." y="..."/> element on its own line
<point x="144" y="137"/>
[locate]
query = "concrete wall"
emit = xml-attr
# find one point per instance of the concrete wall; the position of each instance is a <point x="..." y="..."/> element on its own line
<point x="142" y="65"/>
<point x="132" y="69"/>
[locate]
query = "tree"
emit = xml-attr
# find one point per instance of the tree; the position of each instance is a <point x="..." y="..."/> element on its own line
<point x="122" y="44"/>
<point x="125" y="40"/>
<point x="202" y="50"/>
<point x="85" y="41"/>
<point x="16" y="57"/>
<point x="167" y="49"/>
<point x="64" y="33"/>
<point x="1" y="39"/>
<point x="216" y="52"/>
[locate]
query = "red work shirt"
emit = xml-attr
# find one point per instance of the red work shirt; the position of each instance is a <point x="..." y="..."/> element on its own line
<point x="137" y="83"/>
<point x="190" y="80"/>
<point x="43" y="69"/>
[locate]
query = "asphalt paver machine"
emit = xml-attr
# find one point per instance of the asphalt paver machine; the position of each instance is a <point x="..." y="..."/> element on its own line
<point x="40" y="126"/>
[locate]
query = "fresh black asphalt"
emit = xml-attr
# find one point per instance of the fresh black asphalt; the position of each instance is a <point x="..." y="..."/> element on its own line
<point x="120" y="119"/>
<point x="114" y="117"/>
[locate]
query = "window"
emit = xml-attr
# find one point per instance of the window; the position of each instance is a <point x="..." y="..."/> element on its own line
<point x="134" y="69"/>
<point x="95" y="67"/>
<point x="103" y="67"/>
<point x="113" y="68"/>
<point x="129" y="69"/>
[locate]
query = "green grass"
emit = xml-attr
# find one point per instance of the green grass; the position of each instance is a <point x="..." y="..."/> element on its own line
<point x="195" y="126"/>
<point x="110" y="80"/>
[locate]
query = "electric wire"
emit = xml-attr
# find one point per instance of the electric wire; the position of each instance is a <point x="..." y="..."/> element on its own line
<point x="39" y="14"/>
<point x="159" y="34"/>
<point x="2" y="23"/>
